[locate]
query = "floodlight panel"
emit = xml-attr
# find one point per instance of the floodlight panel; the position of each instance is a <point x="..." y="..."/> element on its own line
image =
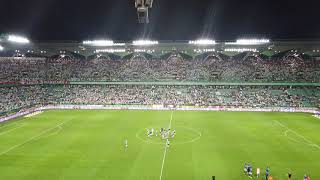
<point x="252" y="41"/>
<point x="18" y="39"/>
<point x="203" y="42"/>
<point x="240" y="50"/>
<point x="110" y="50"/>
<point x="99" y="43"/>
<point x="145" y="42"/>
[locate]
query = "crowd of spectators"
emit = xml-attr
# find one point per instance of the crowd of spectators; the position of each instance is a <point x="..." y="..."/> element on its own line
<point x="233" y="96"/>
<point x="175" y="68"/>
<point x="212" y="69"/>
<point x="17" y="97"/>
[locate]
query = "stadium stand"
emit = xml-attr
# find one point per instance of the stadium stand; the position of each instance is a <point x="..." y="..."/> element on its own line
<point x="290" y="69"/>
<point x="285" y="78"/>
<point x="18" y="97"/>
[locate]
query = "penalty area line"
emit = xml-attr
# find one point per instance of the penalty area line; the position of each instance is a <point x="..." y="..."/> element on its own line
<point x="165" y="149"/>
<point x="10" y="130"/>
<point x="296" y="133"/>
<point x="32" y="138"/>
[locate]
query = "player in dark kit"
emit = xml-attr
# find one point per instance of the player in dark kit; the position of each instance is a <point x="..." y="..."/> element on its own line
<point x="250" y="171"/>
<point x="289" y="176"/>
<point x="267" y="173"/>
<point x="245" y="168"/>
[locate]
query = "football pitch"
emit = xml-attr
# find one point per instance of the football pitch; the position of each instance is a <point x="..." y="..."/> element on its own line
<point x="89" y="144"/>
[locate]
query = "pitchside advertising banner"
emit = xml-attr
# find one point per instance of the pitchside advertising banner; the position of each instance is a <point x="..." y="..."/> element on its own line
<point x="158" y="107"/>
<point x="39" y="82"/>
<point x="43" y="82"/>
<point x="8" y="83"/>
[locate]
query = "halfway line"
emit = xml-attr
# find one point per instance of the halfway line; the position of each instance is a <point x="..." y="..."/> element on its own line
<point x="165" y="149"/>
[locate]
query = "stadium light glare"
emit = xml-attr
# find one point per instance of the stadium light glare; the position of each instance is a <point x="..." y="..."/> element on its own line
<point x="240" y="50"/>
<point x="110" y="50"/>
<point x="18" y="39"/>
<point x="1" y="48"/>
<point x="204" y="50"/>
<point x="144" y="43"/>
<point x="250" y="42"/>
<point x="99" y="43"/>
<point x="203" y="42"/>
<point x="144" y="50"/>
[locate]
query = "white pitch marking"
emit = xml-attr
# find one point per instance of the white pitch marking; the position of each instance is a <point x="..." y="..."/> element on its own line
<point x="32" y="138"/>
<point x="8" y="125"/>
<point x="59" y="129"/>
<point x="6" y="132"/>
<point x="165" y="149"/>
<point x="288" y="129"/>
<point x="286" y="133"/>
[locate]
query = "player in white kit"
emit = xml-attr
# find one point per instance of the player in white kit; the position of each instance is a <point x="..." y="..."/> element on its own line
<point x="126" y="143"/>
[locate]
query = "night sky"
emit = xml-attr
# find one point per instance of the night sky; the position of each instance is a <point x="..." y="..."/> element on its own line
<point x="170" y="19"/>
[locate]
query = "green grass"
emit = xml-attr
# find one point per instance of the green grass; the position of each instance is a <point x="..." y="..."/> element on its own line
<point x="82" y="145"/>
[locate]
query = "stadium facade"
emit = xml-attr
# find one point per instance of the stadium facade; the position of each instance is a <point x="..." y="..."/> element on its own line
<point x="306" y="49"/>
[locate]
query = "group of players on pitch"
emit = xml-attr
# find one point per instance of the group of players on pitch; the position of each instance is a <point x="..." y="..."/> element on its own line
<point x="163" y="133"/>
<point x="248" y="171"/>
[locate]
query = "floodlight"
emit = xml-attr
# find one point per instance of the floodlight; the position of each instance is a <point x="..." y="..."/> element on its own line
<point x="1" y="48"/>
<point x="110" y="50"/>
<point x="204" y="50"/>
<point x="144" y="42"/>
<point x="240" y="50"/>
<point x="203" y="42"/>
<point x="250" y="41"/>
<point x="119" y="44"/>
<point x="18" y="39"/>
<point x="144" y="50"/>
<point x="99" y="43"/>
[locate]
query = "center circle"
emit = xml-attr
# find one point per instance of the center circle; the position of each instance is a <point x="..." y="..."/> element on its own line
<point x="183" y="135"/>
